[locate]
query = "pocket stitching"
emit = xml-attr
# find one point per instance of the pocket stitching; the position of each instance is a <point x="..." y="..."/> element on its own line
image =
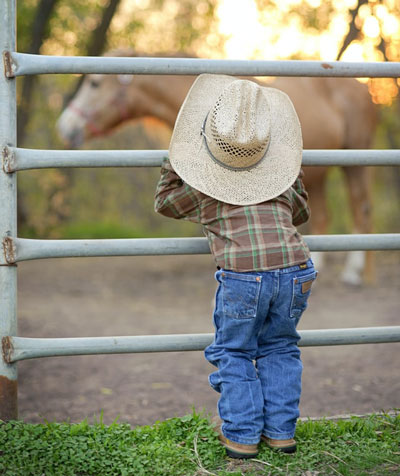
<point x="240" y="277"/>
<point x="254" y="303"/>
<point x="307" y="277"/>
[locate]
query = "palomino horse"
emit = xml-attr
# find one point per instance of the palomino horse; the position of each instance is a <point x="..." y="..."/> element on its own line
<point x="335" y="113"/>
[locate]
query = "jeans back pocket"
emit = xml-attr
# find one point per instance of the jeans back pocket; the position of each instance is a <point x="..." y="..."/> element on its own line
<point x="240" y="294"/>
<point x="301" y="291"/>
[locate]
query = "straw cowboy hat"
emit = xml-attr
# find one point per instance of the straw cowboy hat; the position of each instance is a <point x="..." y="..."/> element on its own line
<point x="236" y="141"/>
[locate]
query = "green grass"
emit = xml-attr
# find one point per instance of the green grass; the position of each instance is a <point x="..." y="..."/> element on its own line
<point x="188" y="446"/>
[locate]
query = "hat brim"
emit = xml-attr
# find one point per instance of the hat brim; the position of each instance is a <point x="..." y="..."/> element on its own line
<point x="273" y="175"/>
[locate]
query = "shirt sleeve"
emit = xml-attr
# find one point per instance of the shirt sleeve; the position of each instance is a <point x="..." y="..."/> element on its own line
<point x="174" y="198"/>
<point x="301" y="210"/>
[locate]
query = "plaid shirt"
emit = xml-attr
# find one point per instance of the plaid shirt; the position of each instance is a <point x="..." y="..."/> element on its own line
<point x="242" y="238"/>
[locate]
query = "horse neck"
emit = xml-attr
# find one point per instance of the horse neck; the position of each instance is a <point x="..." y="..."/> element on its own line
<point x="162" y="96"/>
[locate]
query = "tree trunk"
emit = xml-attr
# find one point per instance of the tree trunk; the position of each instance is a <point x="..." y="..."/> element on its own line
<point x="353" y="30"/>
<point x="98" y="40"/>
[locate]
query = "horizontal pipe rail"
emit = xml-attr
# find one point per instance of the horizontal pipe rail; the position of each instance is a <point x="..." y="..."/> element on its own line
<point x="24" y="249"/>
<point x="15" y="159"/>
<point x="24" y="159"/>
<point x="19" y="64"/>
<point x="22" y="348"/>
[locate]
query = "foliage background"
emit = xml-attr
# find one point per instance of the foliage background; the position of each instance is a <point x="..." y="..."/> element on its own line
<point x="78" y="203"/>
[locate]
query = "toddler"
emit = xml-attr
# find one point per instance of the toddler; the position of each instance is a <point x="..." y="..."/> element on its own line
<point x="235" y="167"/>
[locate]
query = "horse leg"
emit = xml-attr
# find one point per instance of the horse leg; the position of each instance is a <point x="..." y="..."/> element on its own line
<point x="359" y="265"/>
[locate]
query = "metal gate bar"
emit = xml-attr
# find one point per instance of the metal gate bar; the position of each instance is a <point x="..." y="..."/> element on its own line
<point x="22" y="348"/>
<point x="24" y="249"/>
<point x="15" y="159"/>
<point x="19" y="64"/>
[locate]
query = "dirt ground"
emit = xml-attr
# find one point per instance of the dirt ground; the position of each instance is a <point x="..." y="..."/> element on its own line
<point x="172" y="295"/>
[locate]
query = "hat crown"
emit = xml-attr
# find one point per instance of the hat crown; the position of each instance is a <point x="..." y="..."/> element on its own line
<point x="238" y="125"/>
<point x="241" y="161"/>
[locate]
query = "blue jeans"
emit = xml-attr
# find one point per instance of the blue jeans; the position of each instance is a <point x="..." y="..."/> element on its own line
<point x="256" y="353"/>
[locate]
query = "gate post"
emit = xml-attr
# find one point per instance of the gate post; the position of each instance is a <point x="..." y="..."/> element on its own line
<point x="8" y="212"/>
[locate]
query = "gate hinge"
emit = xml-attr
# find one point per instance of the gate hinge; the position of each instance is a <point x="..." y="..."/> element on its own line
<point x="9" y="160"/>
<point x="9" y="65"/>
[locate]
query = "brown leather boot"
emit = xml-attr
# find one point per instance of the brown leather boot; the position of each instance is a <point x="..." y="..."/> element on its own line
<point x="284" y="446"/>
<point x="238" y="450"/>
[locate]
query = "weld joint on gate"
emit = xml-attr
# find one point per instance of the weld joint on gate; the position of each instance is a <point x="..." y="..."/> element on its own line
<point x="9" y="65"/>
<point x="7" y="349"/>
<point x="9" y="250"/>
<point x="9" y="160"/>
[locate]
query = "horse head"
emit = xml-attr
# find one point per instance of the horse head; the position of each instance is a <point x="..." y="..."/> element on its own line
<point x="104" y="101"/>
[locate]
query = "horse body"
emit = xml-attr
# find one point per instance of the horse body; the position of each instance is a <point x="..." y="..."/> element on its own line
<point x="334" y="113"/>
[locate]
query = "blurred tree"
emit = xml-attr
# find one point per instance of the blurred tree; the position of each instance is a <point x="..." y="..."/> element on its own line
<point x="165" y="26"/>
<point x="98" y="40"/>
<point x="34" y="35"/>
<point x="367" y="30"/>
<point x="354" y="30"/>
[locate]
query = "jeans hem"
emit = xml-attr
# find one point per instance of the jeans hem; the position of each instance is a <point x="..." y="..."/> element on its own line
<point x="242" y="441"/>
<point x="279" y="436"/>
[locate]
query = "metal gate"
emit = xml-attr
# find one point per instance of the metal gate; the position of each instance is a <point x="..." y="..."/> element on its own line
<point x="16" y="249"/>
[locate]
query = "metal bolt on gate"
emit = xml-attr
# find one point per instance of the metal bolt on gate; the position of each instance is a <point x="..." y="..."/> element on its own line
<point x="14" y="249"/>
